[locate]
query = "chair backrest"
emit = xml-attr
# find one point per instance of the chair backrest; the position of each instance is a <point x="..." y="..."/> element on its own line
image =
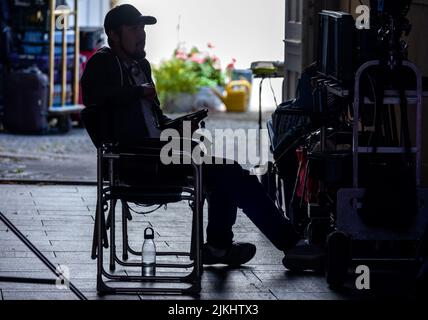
<point x="97" y="125"/>
<point x="129" y="170"/>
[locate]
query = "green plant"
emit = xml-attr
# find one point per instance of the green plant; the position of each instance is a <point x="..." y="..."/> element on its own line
<point x="205" y="65"/>
<point x="187" y="72"/>
<point x="175" y="76"/>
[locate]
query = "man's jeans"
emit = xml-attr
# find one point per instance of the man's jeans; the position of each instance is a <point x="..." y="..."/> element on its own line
<point x="229" y="187"/>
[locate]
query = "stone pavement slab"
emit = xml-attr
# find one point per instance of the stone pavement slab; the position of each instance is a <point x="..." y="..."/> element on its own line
<point x="59" y="221"/>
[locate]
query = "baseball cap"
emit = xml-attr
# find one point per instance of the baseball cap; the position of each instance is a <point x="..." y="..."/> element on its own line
<point x="125" y="14"/>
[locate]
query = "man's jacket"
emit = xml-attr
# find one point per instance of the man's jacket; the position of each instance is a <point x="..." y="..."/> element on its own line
<point x="106" y="84"/>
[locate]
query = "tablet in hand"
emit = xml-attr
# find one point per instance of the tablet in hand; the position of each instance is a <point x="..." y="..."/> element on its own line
<point x="197" y="116"/>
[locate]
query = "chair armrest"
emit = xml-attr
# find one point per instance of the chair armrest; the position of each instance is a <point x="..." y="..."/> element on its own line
<point x="146" y="144"/>
<point x="150" y="149"/>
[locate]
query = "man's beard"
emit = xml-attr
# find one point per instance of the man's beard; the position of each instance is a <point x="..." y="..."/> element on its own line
<point x="137" y="55"/>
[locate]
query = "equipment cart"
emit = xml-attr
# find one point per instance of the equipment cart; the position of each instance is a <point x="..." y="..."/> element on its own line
<point x="45" y="39"/>
<point x="350" y="226"/>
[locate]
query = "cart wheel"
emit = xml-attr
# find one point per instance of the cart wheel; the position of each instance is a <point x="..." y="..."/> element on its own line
<point x="338" y="255"/>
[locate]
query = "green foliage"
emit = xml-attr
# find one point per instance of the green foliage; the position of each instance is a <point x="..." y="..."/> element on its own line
<point x="187" y="72"/>
<point x="175" y="76"/>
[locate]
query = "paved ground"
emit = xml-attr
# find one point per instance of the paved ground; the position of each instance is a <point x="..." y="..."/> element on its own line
<point x="59" y="220"/>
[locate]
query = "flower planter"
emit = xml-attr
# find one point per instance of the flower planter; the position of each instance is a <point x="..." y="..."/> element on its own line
<point x="188" y="102"/>
<point x="179" y="102"/>
<point x="206" y="98"/>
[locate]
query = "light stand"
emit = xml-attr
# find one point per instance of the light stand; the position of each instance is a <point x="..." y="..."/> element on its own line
<point x="41" y="257"/>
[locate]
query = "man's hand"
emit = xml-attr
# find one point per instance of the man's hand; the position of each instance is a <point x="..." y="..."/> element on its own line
<point x="194" y="125"/>
<point x="148" y="90"/>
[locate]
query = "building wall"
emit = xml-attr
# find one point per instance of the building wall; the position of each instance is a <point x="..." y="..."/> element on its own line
<point x="92" y="12"/>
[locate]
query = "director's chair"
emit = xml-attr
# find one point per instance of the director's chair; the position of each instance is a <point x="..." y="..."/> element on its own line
<point x="155" y="188"/>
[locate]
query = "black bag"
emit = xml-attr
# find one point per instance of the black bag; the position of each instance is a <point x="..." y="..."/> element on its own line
<point x="291" y="120"/>
<point x="26" y="102"/>
<point x="290" y="124"/>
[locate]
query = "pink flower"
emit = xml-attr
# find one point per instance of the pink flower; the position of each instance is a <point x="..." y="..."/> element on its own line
<point x="197" y="58"/>
<point x="181" y="55"/>
<point x="210" y="45"/>
<point x="231" y="65"/>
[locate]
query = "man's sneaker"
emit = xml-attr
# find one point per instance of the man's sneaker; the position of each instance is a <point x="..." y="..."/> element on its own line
<point x="305" y="257"/>
<point x="237" y="254"/>
<point x="293" y="239"/>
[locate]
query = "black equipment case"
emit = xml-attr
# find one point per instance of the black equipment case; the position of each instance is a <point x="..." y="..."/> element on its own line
<point x="26" y="102"/>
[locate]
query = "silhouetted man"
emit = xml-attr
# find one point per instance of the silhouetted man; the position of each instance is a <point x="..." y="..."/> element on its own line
<point x="119" y="78"/>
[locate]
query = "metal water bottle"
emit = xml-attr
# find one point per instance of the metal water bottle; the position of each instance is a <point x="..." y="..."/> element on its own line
<point x="148" y="255"/>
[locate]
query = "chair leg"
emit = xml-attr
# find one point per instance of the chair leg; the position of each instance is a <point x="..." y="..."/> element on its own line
<point x="112" y="234"/>
<point x="201" y="219"/>
<point x="194" y="238"/>
<point x="100" y="230"/>
<point x="198" y="215"/>
<point x="104" y="229"/>
<point x="201" y="233"/>
<point x="95" y="236"/>
<point x="124" y="231"/>
<point x="108" y="223"/>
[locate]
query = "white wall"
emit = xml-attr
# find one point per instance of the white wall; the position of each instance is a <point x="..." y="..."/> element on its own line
<point x="92" y="12"/>
<point x="248" y="30"/>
